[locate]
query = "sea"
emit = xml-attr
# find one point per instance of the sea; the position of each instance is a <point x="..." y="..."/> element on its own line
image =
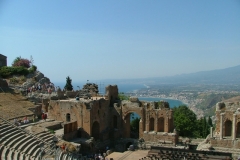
<point x="127" y="88"/>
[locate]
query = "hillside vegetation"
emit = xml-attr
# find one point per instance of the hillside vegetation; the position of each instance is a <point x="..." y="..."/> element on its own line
<point x="209" y="101"/>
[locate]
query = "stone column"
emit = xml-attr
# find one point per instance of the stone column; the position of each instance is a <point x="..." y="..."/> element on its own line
<point x="221" y="125"/>
<point x="234" y="127"/>
<point x="211" y="132"/>
<point x="147" y="123"/>
<point x="166" y="124"/>
<point x="141" y="128"/>
<point x="156" y="123"/>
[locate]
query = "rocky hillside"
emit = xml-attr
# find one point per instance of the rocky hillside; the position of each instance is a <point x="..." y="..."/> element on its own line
<point x="24" y="82"/>
<point x="13" y="99"/>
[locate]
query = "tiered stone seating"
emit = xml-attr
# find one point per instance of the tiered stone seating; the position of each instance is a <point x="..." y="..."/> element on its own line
<point x="17" y="144"/>
<point x="159" y="153"/>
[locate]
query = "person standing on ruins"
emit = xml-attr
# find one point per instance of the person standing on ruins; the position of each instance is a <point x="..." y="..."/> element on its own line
<point x="43" y="116"/>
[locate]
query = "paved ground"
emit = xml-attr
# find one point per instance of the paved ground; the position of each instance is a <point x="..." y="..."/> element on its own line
<point x="128" y="155"/>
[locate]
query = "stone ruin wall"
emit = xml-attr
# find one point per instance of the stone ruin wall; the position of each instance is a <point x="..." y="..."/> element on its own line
<point x="78" y="111"/>
<point x="161" y="138"/>
<point x="225" y="143"/>
<point x="227" y="111"/>
<point x="111" y="92"/>
<point x="103" y="111"/>
<point x="154" y="123"/>
<point x="227" y="131"/>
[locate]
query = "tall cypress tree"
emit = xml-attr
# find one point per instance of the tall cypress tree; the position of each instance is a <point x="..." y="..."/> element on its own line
<point x="68" y="85"/>
<point x="210" y="121"/>
<point x="205" y="127"/>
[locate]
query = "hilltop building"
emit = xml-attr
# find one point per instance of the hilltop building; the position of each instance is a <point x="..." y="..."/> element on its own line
<point x="3" y="60"/>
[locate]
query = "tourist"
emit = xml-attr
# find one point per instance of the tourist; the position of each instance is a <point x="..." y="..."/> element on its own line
<point x="43" y="116"/>
<point x="33" y="118"/>
<point x="15" y="121"/>
<point x="63" y="147"/>
<point x="19" y="122"/>
<point x="25" y="120"/>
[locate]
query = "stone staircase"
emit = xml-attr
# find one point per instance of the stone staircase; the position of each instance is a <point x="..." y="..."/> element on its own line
<point x="19" y="144"/>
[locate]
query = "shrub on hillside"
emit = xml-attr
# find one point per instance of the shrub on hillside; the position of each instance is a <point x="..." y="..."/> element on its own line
<point x="6" y="71"/>
<point x="21" y="62"/>
<point x="14" y="80"/>
<point x="32" y="69"/>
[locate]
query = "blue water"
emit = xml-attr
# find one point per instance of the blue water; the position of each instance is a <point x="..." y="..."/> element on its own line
<point x="129" y="87"/>
<point x="172" y="102"/>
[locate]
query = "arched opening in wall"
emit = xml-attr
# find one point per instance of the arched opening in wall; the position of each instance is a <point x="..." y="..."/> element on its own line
<point x="134" y="125"/>
<point x="228" y="128"/>
<point x="131" y="125"/>
<point x="238" y="130"/>
<point x="68" y="117"/>
<point x="151" y="124"/>
<point x="95" y="130"/>
<point x="115" y="122"/>
<point x="160" y="124"/>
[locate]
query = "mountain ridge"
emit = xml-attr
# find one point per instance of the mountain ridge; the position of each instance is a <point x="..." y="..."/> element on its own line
<point x="230" y="75"/>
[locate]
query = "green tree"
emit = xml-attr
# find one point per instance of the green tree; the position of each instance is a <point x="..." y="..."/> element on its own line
<point x="16" y="60"/>
<point x="68" y="85"/>
<point x="122" y="96"/>
<point x="210" y="121"/>
<point x="135" y="128"/>
<point x="184" y="121"/>
<point x="135" y="124"/>
<point x="205" y="127"/>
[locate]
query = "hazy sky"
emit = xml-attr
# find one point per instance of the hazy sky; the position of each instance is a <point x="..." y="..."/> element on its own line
<point x="93" y="39"/>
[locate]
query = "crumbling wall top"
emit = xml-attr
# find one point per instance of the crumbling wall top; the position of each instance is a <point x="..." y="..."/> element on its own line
<point x="227" y="106"/>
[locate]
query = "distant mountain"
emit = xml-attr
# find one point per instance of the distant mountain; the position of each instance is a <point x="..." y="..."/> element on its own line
<point x="229" y="75"/>
<point x="221" y="76"/>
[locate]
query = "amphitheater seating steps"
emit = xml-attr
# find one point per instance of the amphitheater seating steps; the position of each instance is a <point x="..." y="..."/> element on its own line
<point x="21" y="145"/>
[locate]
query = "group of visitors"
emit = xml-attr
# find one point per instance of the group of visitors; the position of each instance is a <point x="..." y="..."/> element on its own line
<point x="19" y="122"/>
<point x="46" y="87"/>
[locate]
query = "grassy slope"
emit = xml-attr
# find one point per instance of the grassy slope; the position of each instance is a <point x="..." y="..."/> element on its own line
<point x="14" y="105"/>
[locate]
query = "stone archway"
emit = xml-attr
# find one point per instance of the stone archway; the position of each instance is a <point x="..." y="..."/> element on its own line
<point x="68" y="117"/>
<point x="151" y="124"/>
<point x="160" y="127"/>
<point x="228" y="128"/>
<point x="95" y="130"/>
<point x="126" y="123"/>
<point x="238" y="130"/>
